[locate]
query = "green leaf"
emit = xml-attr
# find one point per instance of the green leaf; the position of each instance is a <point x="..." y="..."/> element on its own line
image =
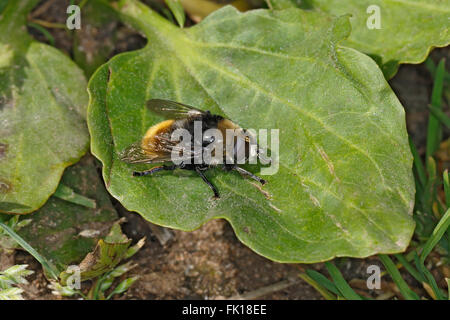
<point x="316" y="285"/>
<point x="438" y="232"/>
<point x="446" y="182"/>
<point x="134" y="249"/>
<point x="44" y="31"/>
<point x="429" y="64"/>
<point x="107" y="281"/>
<point x="416" y="274"/>
<point x="177" y="10"/>
<point x="122" y="269"/>
<point x="64" y="232"/>
<point x="418" y="165"/>
<point x="66" y="193"/>
<point x="11" y="294"/>
<point x="106" y="284"/>
<point x="429" y="282"/>
<point x="448" y="287"/>
<point x="396" y="276"/>
<point x="429" y="193"/>
<point x="49" y="268"/>
<point x="14" y="275"/>
<point x="409" y="28"/>
<point x="17" y="273"/>
<point x="123" y="286"/>
<point x="434" y="134"/>
<point x="323" y="281"/>
<point x="342" y="285"/>
<point x="6" y="241"/>
<point x="440" y="115"/>
<point x="42" y="114"/>
<point x="59" y="290"/>
<point x="106" y="256"/>
<point x="344" y="186"/>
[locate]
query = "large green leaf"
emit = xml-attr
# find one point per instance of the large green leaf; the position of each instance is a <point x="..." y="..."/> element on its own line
<point x="344" y="187"/>
<point x="409" y="28"/>
<point x="43" y="102"/>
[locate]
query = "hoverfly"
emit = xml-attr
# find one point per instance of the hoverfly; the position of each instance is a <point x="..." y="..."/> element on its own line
<point x="157" y="145"/>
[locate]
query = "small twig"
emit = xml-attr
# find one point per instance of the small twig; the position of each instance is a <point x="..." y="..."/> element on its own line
<point x="41" y="9"/>
<point x="47" y="24"/>
<point x="163" y="235"/>
<point x="258" y="293"/>
<point x="385" y="295"/>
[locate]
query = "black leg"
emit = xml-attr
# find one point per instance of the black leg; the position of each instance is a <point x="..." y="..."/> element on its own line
<point x="251" y="175"/>
<point x="201" y="174"/>
<point x="153" y="170"/>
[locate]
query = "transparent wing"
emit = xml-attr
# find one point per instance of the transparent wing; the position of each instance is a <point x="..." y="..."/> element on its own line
<point x="136" y="154"/>
<point x="172" y="109"/>
<point x="160" y="149"/>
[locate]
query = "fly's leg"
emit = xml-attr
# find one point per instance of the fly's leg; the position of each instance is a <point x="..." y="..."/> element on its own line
<point x="213" y="188"/>
<point x="251" y="175"/>
<point x="153" y="170"/>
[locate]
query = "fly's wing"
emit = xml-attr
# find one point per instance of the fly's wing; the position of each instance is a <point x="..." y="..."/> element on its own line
<point x="173" y="110"/>
<point x="136" y="154"/>
<point x="160" y="149"/>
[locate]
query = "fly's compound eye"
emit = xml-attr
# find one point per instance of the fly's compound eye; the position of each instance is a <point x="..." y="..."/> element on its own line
<point x="209" y="139"/>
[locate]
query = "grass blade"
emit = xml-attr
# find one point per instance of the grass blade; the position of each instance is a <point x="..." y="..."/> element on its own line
<point x="436" y="236"/>
<point x="341" y="283"/>
<point x="323" y="281"/>
<point x="438" y="232"/>
<point x="448" y="286"/>
<point x="429" y="282"/>
<point x="44" y="31"/>
<point x="446" y="188"/>
<point x="440" y="115"/>
<point x="395" y="275"/>
<point x="66" y="193"/>
<point x="51" y="271"/>
<point x="432" y="282"/>
<point x="409" y="267"/>
<point x="429" y="64"/>
<point x="418" y="165"/>
<point x="429" y="192"/>
<point x="177" y="10"/>
<point x="434" y="134"/>
<point x="324" y="292"/>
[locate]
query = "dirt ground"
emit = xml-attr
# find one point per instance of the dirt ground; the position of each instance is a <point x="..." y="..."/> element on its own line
<point x="210" y="263"/>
